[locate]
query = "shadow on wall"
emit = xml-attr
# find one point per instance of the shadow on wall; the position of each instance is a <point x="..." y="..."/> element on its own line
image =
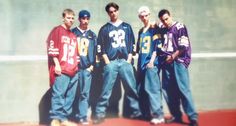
<point x="96" y="87"/>
<point x="44" y="107"/>
<point x="112" y="110"/>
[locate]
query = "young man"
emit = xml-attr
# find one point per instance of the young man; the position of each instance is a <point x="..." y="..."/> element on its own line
<point x="149" y="38"/>
<point x="62" y="64"/>
<point x="115" y="45"/>
<point x="177" y="50"/>
<point x="112" y="110"/>
<point x="87" y="43"/>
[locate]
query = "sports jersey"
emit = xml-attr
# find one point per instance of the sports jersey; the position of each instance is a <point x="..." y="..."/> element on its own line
<point x="86" y="46"/>
<point x="147" y="43"/>
<point x="62" y="44"/>
<point x="115" y="41"/>
<point x="177" y="38"/>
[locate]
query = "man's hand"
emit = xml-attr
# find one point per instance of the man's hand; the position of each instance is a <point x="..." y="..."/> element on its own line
<point x="150" y="65"/>
<point x="129" y="59"/>
<point x="90" y="68"/>
<point x="172" y="57"/>
<point x="106" y="59"/>
<point x="57" y="66"/>
<point x="169" y="59"/>
<point x="151" y="62"/>
<point x="58" y="69"/>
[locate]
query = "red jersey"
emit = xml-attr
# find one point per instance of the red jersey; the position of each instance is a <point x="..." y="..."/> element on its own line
<point x="62" y="44"/>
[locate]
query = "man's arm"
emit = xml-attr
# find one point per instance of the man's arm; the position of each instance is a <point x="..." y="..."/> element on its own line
<point x="90" y="68"/>
<point x="173" y="56"/>
<point x="106" y="59"/>
<point x="151" y="62"/>
<point x="57" y="66"/>
<point x="129" y="59"/>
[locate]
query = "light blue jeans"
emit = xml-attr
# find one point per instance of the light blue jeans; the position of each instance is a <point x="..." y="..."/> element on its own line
<point x="63" y="95"/>
<point x="152" y="86"/>
<point x="177" y="91"/>
<point x="124" y="70"/>
<point x="85" y="78"/>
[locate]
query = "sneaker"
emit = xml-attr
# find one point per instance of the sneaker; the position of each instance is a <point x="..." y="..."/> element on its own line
<point x="193" y="123"/>
<point x="68" y="123"/>
<point x="55" y="122"/>
<point x="98" y="120"/>
<point x="136" y="116"/>
<point x="157" y="120"/>
<point x="173" y="120"/>
<point x="83" y="121"/>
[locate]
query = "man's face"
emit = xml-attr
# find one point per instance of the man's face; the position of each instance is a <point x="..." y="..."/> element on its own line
<point x="68" y="20"/>
<point x="144" y="18"/>
<point x="84" y="21"/>
<point x="113" y="14"/>
<point x="166" y="19"/>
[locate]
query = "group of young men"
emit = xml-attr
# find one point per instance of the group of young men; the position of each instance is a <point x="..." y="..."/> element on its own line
<point x="164" y="46"/>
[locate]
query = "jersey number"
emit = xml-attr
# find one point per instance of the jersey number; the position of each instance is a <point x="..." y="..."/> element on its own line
<point x="69" y="52"/>
<point x="83" y="45"/>
<point x="168" y="45"/>
<point x="145" y="44"/>
<point x="118" y="38"/>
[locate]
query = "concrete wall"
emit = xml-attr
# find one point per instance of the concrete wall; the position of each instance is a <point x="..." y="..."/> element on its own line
<point x="25" y="25"/>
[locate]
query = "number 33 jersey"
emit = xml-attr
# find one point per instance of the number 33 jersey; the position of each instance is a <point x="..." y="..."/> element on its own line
<point x="62" y="44"/>
<point x="115" y="40"/>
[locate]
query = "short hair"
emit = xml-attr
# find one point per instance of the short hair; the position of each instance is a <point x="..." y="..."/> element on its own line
<point x="143" y="10"/>
<point x="162" y="12"/>
<point x="111" y="4"/>
<point x="67" y="11"/>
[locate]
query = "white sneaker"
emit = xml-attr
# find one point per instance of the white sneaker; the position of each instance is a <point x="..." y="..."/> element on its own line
<point x="83" y="121"/>
<point x="68" y="123"/>
<point x="55" y="122"/>
<point x="157" y="120"/>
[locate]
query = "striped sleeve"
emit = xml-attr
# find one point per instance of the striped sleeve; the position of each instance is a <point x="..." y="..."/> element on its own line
<point x="52" y="43"/>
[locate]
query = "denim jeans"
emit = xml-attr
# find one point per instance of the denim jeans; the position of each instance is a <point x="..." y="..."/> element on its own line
<point x="63" y="95"/>
<point x="85" y="78"/>
<point x="124" y="70"/>
<point x="152" y="86"/>
<point x="177" y="91"/>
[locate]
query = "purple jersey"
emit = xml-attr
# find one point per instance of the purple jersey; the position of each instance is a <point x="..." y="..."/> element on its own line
<point x="177" y="38"/>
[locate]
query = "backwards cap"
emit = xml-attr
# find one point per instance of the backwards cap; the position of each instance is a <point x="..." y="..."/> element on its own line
<point x="84" y="13"/>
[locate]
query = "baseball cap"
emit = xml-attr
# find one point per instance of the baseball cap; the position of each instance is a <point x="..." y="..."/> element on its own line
<point x="84" y="13"/>
<point x="143" y="10"/>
